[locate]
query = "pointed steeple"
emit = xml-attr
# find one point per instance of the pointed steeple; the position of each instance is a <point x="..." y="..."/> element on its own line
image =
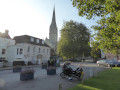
<point x="53" y="32"/>
<point x="53" y="25"/>
<point x="53" y="17"/>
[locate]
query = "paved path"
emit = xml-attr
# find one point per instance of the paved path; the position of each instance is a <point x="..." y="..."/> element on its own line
<point x="42" y="81"/>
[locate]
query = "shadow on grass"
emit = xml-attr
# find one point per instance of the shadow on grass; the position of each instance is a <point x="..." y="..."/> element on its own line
<point x="105" y="80"/>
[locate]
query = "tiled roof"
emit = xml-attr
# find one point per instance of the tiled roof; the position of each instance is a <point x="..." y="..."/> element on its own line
<point x="27" y="39"/>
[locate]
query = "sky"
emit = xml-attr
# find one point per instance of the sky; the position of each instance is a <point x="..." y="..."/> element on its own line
<point x="33" y="17"/>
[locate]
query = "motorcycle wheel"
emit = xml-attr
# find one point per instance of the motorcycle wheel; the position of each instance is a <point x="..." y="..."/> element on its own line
<point x="62" y="75"/>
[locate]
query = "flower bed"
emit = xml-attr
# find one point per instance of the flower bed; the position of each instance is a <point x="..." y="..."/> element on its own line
<point x="44" y="66"/>
<point x="17" y="69"/>
<point x="27" y="74"/>
<point x="51" y="71"/>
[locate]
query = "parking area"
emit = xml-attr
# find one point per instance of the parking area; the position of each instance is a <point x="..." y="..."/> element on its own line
<point x="42" y="81"/>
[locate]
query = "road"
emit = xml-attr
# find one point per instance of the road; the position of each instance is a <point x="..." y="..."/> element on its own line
<point x="42" y="81"/>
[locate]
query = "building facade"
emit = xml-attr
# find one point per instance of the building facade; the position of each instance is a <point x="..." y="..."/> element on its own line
<point x="53" y="34"/>
<point x="8" y="49"/>
<point x="5" y="44"/>
<point x="35" y="49"/>
<point x="110" y="56"/>
<point x="23" y="48"/>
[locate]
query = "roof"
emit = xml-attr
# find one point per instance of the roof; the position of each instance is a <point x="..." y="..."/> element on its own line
<point x="27" y="39"/>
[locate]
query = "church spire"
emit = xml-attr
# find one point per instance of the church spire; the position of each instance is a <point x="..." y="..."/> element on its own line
<point x="53" y="33"/>
<point x="53" y="26"/>
<point x="53" y="17"/>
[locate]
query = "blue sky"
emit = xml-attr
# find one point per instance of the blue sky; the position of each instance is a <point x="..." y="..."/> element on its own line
<point x="33" y="17"/>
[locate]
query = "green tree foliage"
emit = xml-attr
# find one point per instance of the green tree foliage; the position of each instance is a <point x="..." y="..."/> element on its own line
<point x="95" y="52"/>
<point x="74" y="40"/>
<point x="108" y="30"/>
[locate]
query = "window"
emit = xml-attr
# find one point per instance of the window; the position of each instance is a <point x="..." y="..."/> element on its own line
<point x="2" y="59"/>
<point x="33" y="49"/>
<point x="43" y="50"/>
<point x="42" y="42"/>
<point x="3" y="51"/>
<point x="39" y="50"/>
<point x="47" y="51"/>
<point x="17" y="50"/>
<point x="28" y="49"/>
<point x="21" y="51"/>
<point x="37" y="40"/>
<point x="32" y="39"/>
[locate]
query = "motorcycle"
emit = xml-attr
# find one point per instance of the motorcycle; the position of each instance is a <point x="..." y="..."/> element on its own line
<point x="68" y="72"/>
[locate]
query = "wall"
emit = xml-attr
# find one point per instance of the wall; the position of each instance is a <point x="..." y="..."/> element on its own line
<point x="4" y="44"/>
<point x="11" y="53"/>
<point x="13" y="56"/>
<point x="31" y="55"/>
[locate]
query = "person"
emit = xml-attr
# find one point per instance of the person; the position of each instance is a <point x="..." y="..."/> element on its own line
<point x="49" y="64"/>
<point x="82" y="73"/>
<point x="67" y="70"/>
<point x="70" y="71"/>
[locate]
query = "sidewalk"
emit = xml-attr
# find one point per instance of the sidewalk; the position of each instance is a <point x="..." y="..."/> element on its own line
<point x="10" y="68"/>
<point x="41" y="81"/>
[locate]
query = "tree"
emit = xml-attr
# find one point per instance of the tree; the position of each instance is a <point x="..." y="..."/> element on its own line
<point x="95" y="52"/>
<point x="108" y="30"/>
<point x="74" y="40"/>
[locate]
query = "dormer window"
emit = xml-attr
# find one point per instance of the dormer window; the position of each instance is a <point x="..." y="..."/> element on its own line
<point x="42" y="41"/>
<point x="37" y="40"/>
<point x="32" y="39"/>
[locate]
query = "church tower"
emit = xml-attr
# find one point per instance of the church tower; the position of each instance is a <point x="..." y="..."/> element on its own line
<point x="53" y="34"/>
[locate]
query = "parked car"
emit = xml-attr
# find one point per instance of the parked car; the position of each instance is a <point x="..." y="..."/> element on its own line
<point x="108" y="63"/>
<point x="116" y="63"/>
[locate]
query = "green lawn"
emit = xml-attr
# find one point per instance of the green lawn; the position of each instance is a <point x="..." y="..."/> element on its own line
<point x="105" y="80"/>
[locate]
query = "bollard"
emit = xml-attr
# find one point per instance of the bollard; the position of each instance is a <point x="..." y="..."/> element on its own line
<point x="60" y="86"/>
<point x="82" y="75"/>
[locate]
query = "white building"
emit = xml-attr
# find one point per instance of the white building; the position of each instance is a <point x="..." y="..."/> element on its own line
<point x="23" y="48"/>
<point x="4" y="45"/>
<point x="34" y="49"/>
<point x="15" y="53"/>
<point x="9" y="51"/>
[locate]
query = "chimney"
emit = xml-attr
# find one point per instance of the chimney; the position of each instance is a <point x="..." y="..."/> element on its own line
<point x="6" y="32"/>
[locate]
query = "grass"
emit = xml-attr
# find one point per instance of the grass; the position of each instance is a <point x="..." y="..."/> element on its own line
<point x="105" y="80"/>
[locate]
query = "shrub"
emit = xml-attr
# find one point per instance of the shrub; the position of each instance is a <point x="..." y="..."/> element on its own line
<point x="27" y="70"/>
<point x="30" y="63"/>
<point x="44" y="63"/>
<point x="18" y="63"/>
<point x="49" y="68"/>
<point x="5" y="61"/>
